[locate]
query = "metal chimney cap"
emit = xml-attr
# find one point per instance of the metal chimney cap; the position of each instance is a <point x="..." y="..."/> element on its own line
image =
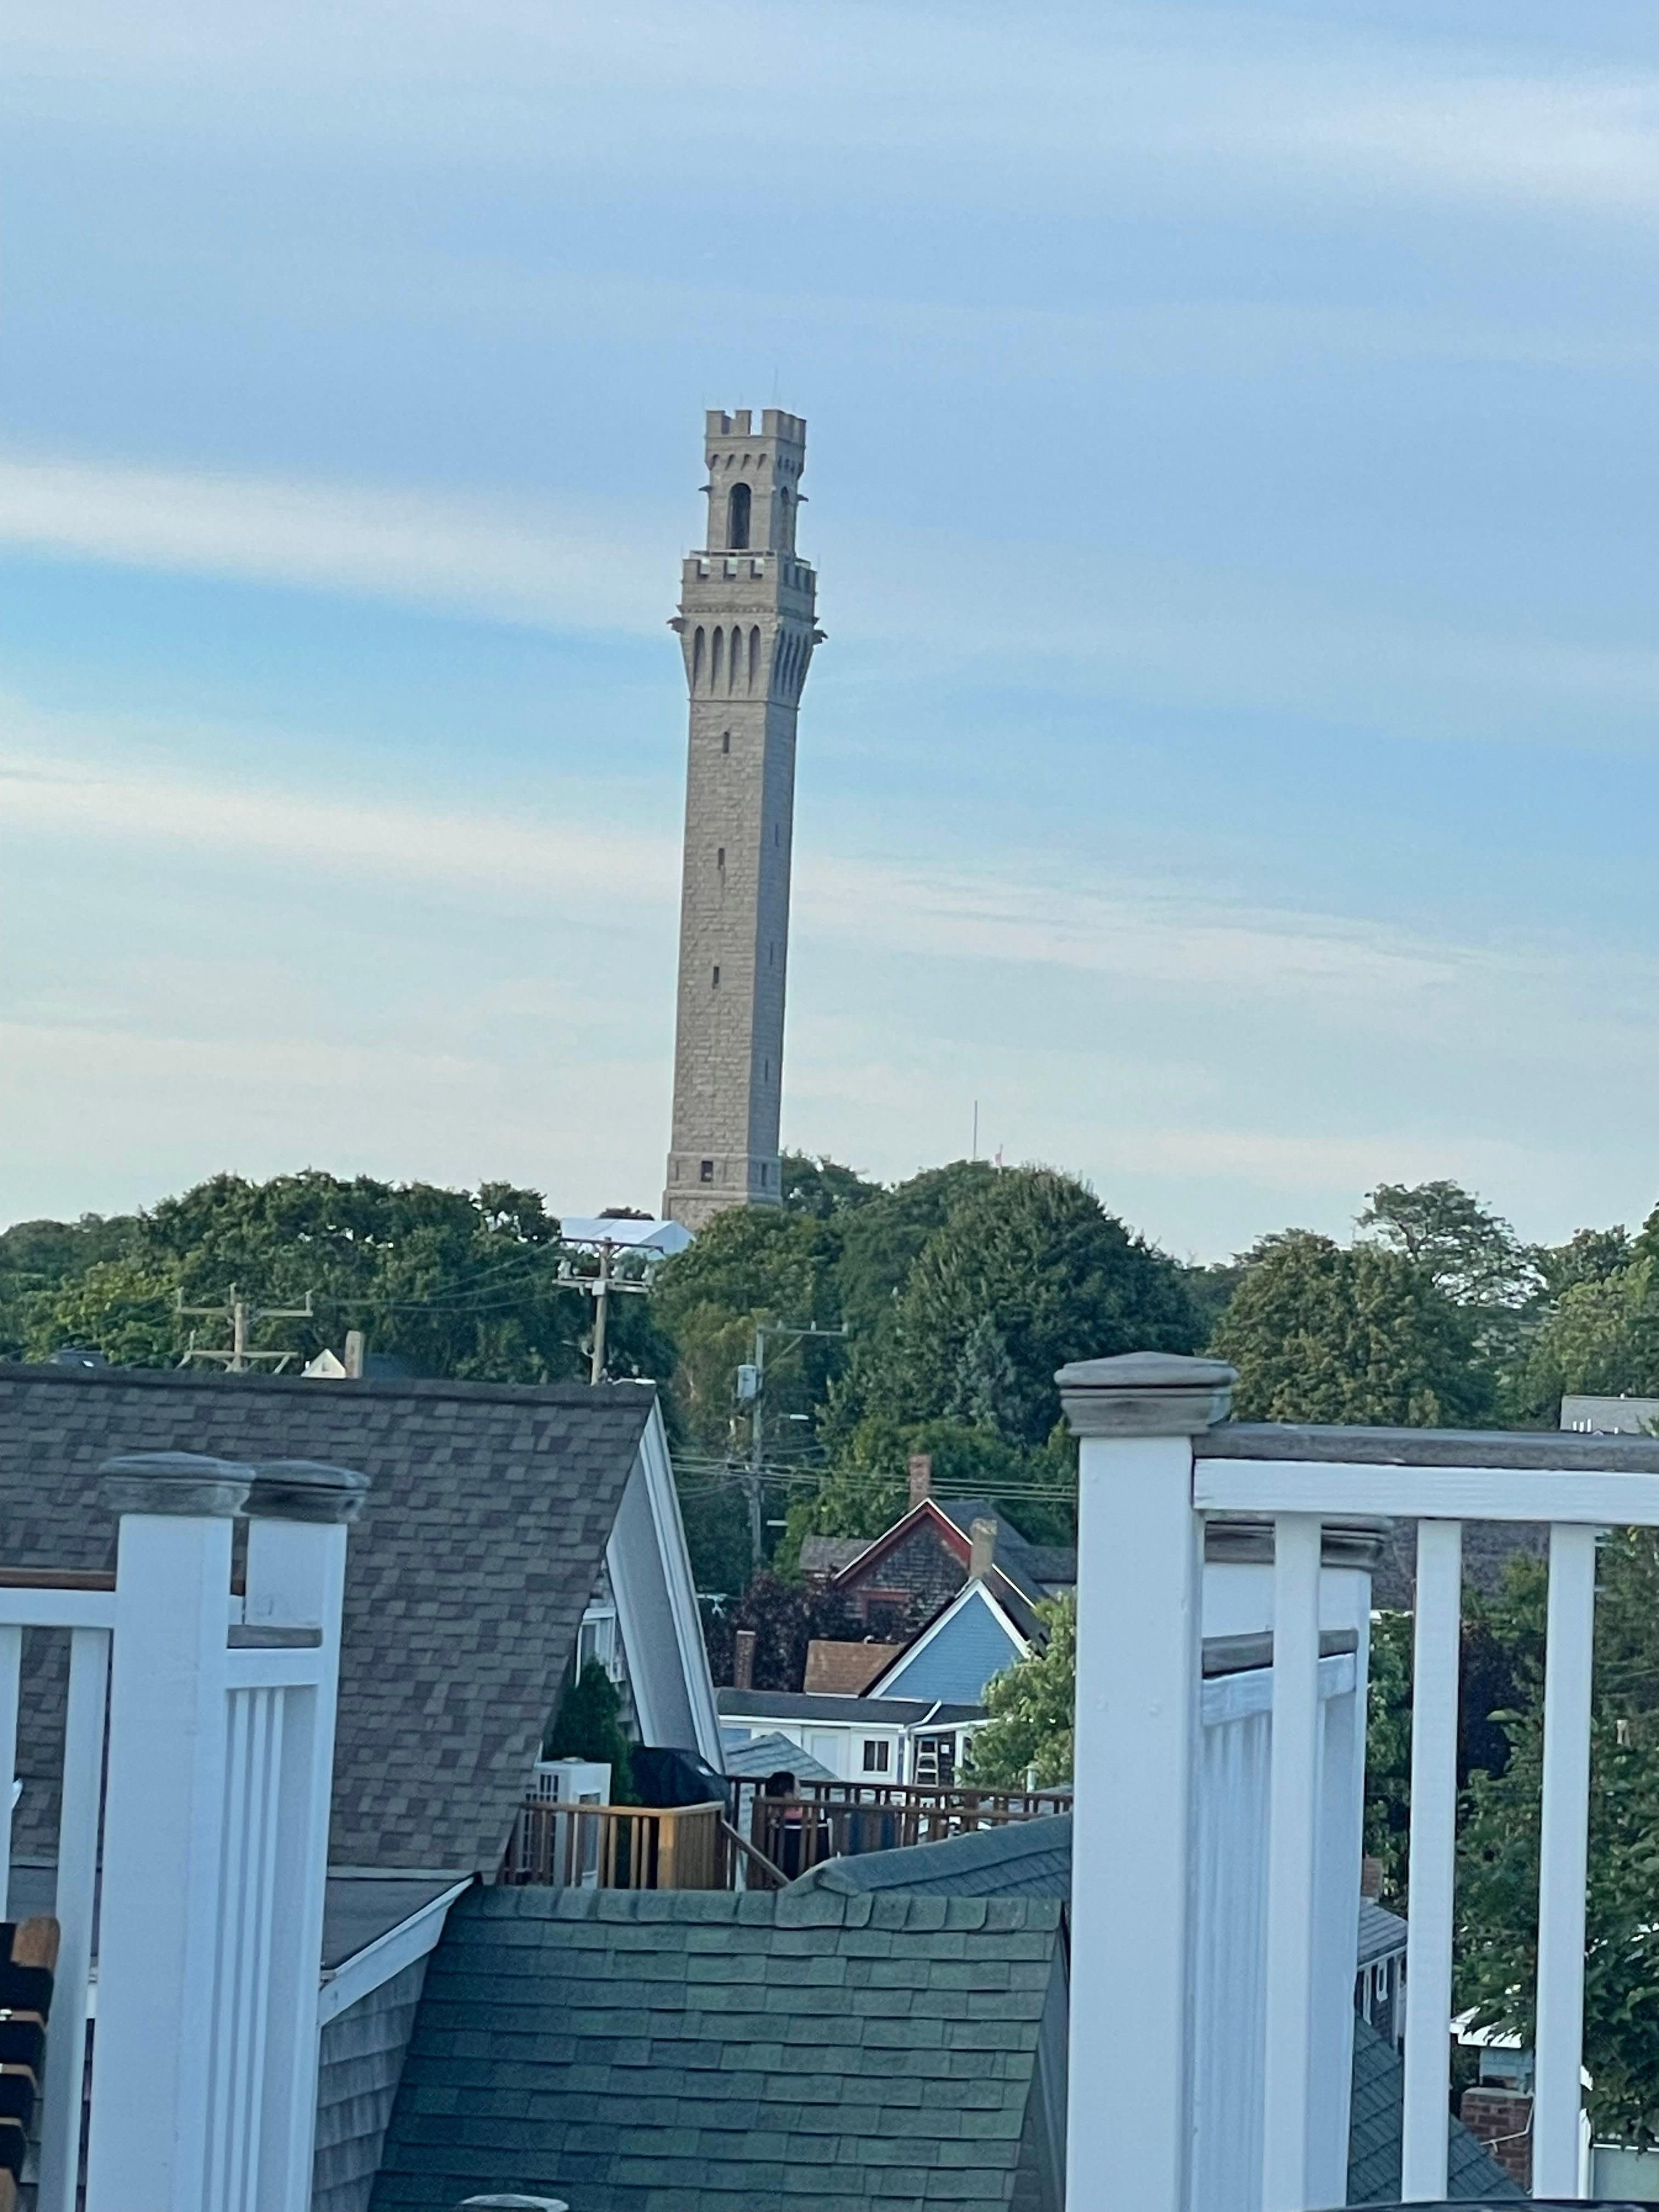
<point x="305" y="1489"/>
<point x="182" y="1484"/>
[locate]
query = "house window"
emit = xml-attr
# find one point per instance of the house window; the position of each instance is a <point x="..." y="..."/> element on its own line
<point x="876" y="1754"/>
<point x="597" y="1638"/>
<point x="705" y="1171"/>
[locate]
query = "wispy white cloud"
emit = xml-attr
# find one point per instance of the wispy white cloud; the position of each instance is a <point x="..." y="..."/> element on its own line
<point x="569" y="569"/>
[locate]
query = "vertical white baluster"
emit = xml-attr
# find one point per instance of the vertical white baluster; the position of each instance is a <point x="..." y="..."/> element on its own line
<point x="1562" y="1858"/>
<point x="1436" y="1648"/>
<point x="297" y="1578"/>
<point x="77" y="1883"/>
<point x="1292" y="1831"/>
<point x="11" y="1668"/>
<point x="1130" y="2115"/>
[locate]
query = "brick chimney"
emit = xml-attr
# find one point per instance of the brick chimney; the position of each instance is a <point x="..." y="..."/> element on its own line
<point x="743" y="1659"/>
<point x="1501" y="2119"/>
<point x="982" y="1536"/>
<point x="922" y="1477"/>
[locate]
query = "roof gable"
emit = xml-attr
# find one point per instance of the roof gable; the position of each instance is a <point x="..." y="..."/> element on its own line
<point x="957" y="1654"/>
<point x="480" y="1543"/>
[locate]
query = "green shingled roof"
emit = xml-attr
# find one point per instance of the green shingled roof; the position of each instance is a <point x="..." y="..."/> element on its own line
<point x="640" y="2052"/>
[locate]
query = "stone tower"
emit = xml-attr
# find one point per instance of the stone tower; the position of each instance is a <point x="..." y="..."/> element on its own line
<point x="747" y="627"/>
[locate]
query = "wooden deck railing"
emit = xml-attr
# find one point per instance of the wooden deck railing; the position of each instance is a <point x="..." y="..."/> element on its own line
<point x="831" y="1820"/>
<point x="620" y="1847"/>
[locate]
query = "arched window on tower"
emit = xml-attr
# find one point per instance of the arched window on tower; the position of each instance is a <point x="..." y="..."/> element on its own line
<point x="699" y="644"/>
<point x="737" y="517"/>
<point x="754" y="658"/>
<point x="714" y="662"/>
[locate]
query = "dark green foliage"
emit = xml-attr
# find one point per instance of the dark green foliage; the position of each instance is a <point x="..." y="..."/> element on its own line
<point x="1498" y="1650"/>
<point x="822" y="1187"/>
<point x="589" y="1725"/>
<point x="1497" y="1872"/>
<point x="1601" y="1334"/>
<point x="1211" y="1291"/>
<point x="750" y="1264"/>
<point x="38" y="1257"/>
<point x="1589" y="1255"/>
<point x="882" y="1242"/>
<point x="868" y="1488"/>
<point x="456" y="1283"/>
<point x="1319" y="1332"/>
<point x="1027" y="1272"/>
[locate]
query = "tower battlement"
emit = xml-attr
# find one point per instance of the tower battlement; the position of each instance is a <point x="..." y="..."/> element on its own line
<point x="747" y="627"/>
<point x="786" y="430"/>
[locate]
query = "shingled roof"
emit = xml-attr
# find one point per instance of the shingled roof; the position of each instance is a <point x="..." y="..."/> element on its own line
<point x="628" y="2050"/>
<point x="478" y="1549"/>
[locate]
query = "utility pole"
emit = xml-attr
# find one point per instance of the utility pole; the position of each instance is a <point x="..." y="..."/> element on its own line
<point x="602" y="1288"/>
<point x="242" y="1316"/>
<point x="751" y="1387"/>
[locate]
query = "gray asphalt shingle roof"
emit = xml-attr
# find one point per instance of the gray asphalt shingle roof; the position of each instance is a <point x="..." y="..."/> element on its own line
<point x="1026" y="1858"/>
<point x="631" y="2052"/>
<point x="489" y="1509"/>
<point x="1375" y="2124"/>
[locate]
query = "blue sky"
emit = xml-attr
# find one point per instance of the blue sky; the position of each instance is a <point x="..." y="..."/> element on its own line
<point x="1232" y="482"/>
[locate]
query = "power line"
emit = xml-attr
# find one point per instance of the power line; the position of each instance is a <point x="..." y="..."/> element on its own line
<point x="237" y="1355"/>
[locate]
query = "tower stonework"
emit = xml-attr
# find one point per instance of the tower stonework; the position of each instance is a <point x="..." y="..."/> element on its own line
<point x="748" y="624"/>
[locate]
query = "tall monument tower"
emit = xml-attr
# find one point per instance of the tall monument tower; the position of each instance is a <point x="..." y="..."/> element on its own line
<point x="747" y="625"/>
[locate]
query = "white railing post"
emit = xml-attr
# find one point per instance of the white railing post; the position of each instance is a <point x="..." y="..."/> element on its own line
<point x="163" y="1839"/>
<point x="1436" y="1649"/>
<point x="1563" y="1862"/>
<point x="11" y="1676"/>
<point x="1293" y="1841"/>
<point x="77" y="1890"/>
<point x="296" y="1561"/>
<point x="1349" y="1551"/>
<point x="1130" y="2109"/>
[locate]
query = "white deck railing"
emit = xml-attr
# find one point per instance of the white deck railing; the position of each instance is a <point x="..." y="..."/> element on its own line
<point x="213" y="1782"/>
<point x="1164" y="2114"/>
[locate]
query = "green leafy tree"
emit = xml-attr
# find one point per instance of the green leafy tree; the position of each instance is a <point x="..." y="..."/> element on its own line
<point x="883" y="1240"/>
<point x="39" y="1257"/>
<point x="589" y="1725"/>
<point x="823" y="1187"/>
<point x="1497" y="1871"/>
<point x="1601" y="1334"/>
<point x="1029" y="1271"/>
<point x="1032" y="1705"/>
<point x="1468" y="1250"/>
<point x="123" y="1308"/>
<point x="456" y="1283"/>
<point x="868" y="1487"/>
<point x="1319" y="1332"/>
<point x="1589" y="1255"/>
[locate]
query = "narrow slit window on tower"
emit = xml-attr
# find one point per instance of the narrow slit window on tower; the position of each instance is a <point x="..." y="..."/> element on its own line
<point x="705" y="1171"/>
<point x="719" y="856"/>
<point x="725" y="738"/>
<point x="737" y="517"/>
<point x="717" y="979"/>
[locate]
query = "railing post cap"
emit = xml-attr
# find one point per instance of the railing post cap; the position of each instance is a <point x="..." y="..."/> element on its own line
<point x="183" y="1484"/>
<point x="512" y="2205"/>
<point x="1145" y="1394"/>
<point x="305" y="1489"/>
